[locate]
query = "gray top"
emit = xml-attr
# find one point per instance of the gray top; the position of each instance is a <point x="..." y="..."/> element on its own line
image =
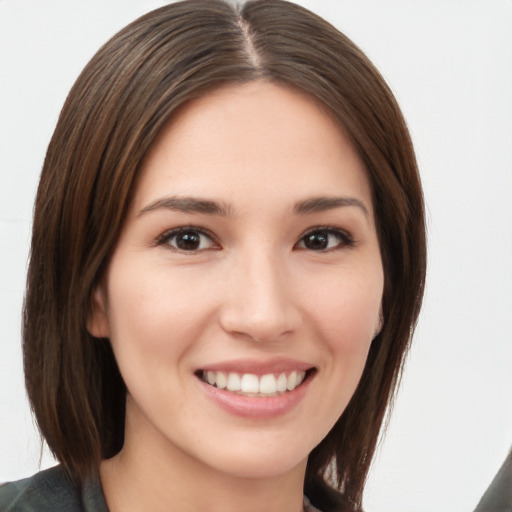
<point x="498" y="497"/>
<point x="52" y="491"/>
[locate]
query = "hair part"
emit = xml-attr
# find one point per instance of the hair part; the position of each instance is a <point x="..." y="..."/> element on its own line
<point x="114" y="112"/>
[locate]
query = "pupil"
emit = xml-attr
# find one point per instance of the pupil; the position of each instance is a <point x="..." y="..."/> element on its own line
<point x="188" y="241"/>
<point x="316" y="241"/>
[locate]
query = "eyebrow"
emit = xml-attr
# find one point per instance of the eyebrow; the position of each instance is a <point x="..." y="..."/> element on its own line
<point x="321" y="204"/>
<point x="187" y="205"/>
<point x="211" y="207"/>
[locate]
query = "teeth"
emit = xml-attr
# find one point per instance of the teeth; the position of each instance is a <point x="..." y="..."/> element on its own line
<point x="233" y="382"/>
<point x="247" y="383"/>
<point x="291" y="381"/>
<point x="268" y="384"/>
<point x="221" y="380"/>
<point x="281" y="383"/>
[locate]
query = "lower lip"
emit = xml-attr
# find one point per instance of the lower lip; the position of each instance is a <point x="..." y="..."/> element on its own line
<point x="257" y="407"/>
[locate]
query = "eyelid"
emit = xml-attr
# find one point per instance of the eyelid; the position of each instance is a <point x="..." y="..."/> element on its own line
<point x="346" y="238"/>
<point x="167" y="235"/>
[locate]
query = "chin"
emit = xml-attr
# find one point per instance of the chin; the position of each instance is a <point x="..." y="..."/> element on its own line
<point x="272" y="466"/>
<point x="251" y="459"/>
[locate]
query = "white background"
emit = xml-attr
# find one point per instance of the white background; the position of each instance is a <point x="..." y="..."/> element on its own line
<point x="450" y="65"/>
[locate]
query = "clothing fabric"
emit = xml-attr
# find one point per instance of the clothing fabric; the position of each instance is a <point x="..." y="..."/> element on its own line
<point x="498" y="496"/>
<point x="52" y="491"/>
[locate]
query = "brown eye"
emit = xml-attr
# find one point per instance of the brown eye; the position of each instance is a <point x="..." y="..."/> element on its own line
<point x="188" y="240"/>
<point x="324" y="240"/>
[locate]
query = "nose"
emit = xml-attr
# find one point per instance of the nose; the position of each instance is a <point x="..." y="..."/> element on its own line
<point x="259" y="303"/>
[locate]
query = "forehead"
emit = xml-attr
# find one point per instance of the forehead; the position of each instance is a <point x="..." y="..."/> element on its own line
<point x="252" y="139"/>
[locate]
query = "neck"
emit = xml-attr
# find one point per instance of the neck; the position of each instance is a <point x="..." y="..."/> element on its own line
<point x="150" y="473"/>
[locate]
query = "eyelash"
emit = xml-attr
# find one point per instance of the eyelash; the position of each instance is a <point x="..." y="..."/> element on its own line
<point x="345" y="240"/>
<point x="166" y="237"/>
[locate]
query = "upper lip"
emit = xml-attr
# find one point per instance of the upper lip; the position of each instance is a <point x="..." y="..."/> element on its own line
<point x="258" y="367"/>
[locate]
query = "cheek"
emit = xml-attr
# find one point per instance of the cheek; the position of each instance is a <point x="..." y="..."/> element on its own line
<point x="155" y="312"/>
<point x="345" y="315"/>
<point x="347" y="310"/>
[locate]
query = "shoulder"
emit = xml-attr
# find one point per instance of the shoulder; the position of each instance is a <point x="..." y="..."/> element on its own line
<point x="498" y="496"/>
<point x="48" y="490"/>
<point x="322" y="497"/>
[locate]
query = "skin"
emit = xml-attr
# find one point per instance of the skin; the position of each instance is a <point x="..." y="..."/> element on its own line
<point x="255" y="289"/>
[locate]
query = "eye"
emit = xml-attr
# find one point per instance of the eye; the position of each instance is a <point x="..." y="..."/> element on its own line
<point x="325" y="239"/>
<point x="188" y="239"/>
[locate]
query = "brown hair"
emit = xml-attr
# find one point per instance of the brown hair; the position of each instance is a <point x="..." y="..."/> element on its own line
<point x="112" y="115"/>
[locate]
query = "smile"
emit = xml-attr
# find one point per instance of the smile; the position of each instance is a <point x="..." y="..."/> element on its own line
<point x="257" y="390"/>
<point x="249" y="384"/>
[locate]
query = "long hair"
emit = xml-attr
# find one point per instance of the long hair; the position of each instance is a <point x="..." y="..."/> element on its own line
<point x="115" y="110"/>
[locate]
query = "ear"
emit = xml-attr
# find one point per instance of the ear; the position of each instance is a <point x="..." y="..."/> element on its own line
<point x="97" y="320"/>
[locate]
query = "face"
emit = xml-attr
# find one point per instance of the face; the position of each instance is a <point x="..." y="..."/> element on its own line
<point x="245" y="289"/>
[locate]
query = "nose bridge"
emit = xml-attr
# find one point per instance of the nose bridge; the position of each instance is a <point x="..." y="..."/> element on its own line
<point x="258" y="301"/>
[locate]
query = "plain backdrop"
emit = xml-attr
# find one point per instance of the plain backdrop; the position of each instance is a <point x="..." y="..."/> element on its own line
<point x="450" y="66"/>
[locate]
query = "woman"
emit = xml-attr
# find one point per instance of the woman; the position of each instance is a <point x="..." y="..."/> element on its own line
<point x="227" y="265"/>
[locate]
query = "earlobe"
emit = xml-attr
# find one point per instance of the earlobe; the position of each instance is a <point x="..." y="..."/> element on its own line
<point x="97" y="320"/>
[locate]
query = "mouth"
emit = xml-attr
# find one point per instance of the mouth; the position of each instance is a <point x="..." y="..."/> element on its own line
<point x="252" y="385"/>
